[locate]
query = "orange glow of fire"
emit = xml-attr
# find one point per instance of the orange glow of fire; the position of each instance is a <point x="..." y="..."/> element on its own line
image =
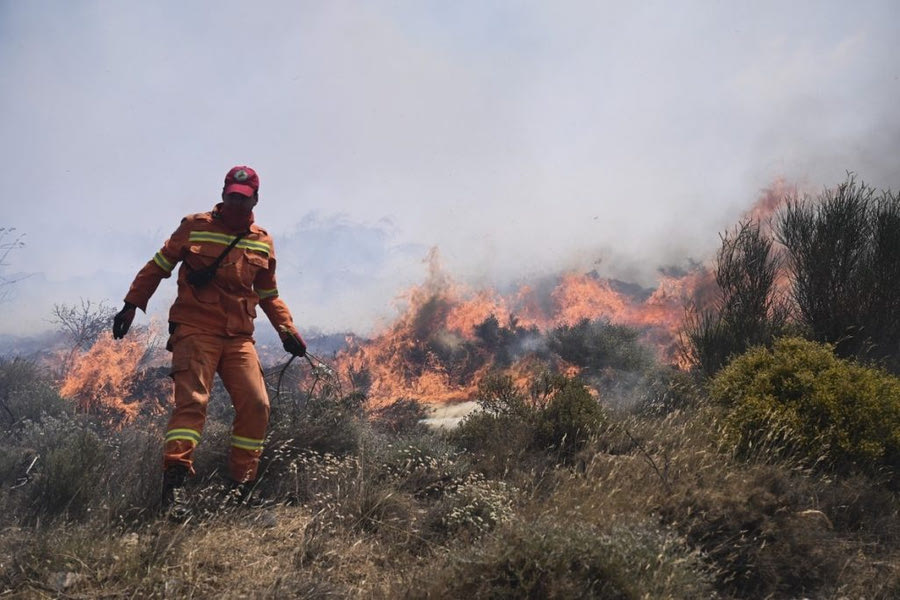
<point x="428" y="354"/>
<point x="405" y="360"/>
<point x="102" y="380"/>
<point x="769" y="202"/>
<point x="773" y="199"/>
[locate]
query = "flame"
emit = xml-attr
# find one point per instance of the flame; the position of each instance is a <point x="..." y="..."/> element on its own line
<point x="424" y="354"/>
<point x="769" y="202"/>
<point x="764" y="211"/>
<point x="104" y="380"/>
<point x="436" y="350"/>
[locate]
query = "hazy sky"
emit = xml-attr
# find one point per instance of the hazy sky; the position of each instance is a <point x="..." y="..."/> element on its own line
<point x="521" y="138"/>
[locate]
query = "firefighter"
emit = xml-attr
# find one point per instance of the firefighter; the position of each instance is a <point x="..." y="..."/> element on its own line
<point x="227" y="269"/>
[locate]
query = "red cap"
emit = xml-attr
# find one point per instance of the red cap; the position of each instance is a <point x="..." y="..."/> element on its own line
<point x="241" y="180"/>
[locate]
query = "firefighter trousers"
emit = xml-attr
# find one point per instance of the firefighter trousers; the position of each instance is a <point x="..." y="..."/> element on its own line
<point x="196" y="358"/>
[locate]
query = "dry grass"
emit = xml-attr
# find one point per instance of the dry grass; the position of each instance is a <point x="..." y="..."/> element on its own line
<point x="650" y="507"/>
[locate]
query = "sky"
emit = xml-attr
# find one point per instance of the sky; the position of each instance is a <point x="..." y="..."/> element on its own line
<point x="519" y="138"/>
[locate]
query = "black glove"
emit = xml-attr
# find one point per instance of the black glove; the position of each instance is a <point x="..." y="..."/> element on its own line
<point x="122" y="321"/>
<point x="293" y="344"/>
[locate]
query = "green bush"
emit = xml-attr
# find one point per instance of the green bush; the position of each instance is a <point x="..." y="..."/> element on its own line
<point x="598" y="346"/>
<point x="571" y="417"/>
<point x="799" y="398"/>
<point x="498" y="395"/>
<point x="132" y="468"/>
<point x="556" y="415"/>
<point x="496" y="443"/>
<point x="326" y="421"/>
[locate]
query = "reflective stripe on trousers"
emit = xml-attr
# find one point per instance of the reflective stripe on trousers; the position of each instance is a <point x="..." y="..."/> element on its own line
<point x="196" y="358"/>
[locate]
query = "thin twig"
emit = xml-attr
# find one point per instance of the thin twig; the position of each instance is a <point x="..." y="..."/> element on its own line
<point x="649" y="459"/>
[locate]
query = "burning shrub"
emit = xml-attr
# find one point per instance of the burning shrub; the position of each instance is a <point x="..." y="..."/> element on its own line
<point x="798" y="397"/>
<point x="844" y="249"/>
<point x="102" y="380"/>
<point x="82" y="325"/>
<point x="505" y="344"/>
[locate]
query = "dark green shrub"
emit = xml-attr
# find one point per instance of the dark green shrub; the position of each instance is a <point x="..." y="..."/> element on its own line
<point x="843" y="249"/>
<point x="747" y="311"/>
<point x="13" y="466"/>
<point x="498" y="395"/>
<point x="557" y="414"/>
<point x="316" y="413"/>
<point x="755" y="525"/>
<point x="502" y="436"/>
<point x="571" y="417"/>
<point x="598" y="346"/>
<point x="496" y="444"/>
<point x="505" y="344"/>
<point x="799" y="398"/>
<point x="883" y="280"/>
<point x="132" y="468"/>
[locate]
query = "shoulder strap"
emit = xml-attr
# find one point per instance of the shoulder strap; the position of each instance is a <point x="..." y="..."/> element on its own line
<point x="233" y="243"/>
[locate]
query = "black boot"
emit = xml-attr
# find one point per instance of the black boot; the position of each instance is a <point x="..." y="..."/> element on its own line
<point x="174" y="499"/>
<point x="244" y="494"/>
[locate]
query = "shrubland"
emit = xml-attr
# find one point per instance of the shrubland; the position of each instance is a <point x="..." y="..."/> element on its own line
<point x="692" y="490"/>
<point x="769" y="470"/>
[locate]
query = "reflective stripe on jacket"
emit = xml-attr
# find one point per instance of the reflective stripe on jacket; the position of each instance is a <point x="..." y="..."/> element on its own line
<point x="244" y="278"/>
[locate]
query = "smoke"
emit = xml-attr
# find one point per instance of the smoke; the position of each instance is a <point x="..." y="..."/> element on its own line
<point x="522" y="140"/>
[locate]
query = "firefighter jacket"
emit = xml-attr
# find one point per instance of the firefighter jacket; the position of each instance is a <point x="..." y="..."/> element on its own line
<point x="245" y="278"/>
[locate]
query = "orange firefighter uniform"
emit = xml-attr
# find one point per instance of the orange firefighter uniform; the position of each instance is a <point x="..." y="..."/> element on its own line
<point x="211" y="329"/>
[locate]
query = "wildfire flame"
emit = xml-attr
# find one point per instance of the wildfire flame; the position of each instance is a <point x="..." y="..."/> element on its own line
<point x="104" y="379"/>
<point x="435" y="351"/>
<point x="423" y="354"/>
